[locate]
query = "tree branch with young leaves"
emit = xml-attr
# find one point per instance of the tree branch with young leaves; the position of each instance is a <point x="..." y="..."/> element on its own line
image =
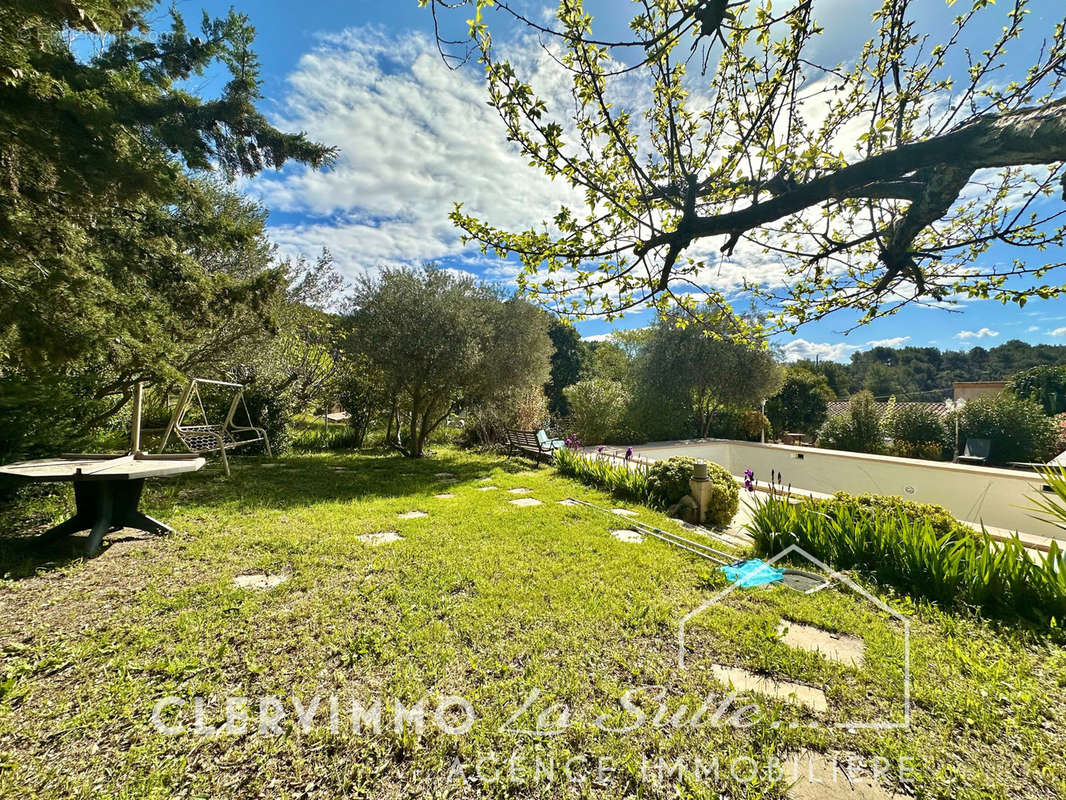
<point x="713" y="137"/>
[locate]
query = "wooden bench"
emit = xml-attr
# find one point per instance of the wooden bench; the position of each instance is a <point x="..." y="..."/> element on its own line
<point x="535" y="443"/>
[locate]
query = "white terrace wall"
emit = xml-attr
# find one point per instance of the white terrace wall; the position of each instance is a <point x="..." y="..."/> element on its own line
<point x="998" y="498"/>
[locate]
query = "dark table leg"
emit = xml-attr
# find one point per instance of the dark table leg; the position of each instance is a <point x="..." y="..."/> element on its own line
<point x="104" y="506"/>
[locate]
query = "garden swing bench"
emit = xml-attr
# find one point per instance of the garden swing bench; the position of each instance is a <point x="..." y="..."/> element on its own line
<point x="208" y="437"/>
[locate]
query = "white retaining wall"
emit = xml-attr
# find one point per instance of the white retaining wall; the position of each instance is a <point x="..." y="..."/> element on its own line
<point x="998" y="498"/>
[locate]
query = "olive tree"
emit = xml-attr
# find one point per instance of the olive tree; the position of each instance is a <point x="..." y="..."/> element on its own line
<point x="440" y="341"/>
<point x="870" y="181"/>
<point x="703" y="368"/>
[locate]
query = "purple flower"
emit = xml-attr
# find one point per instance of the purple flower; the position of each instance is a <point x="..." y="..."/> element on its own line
<point x="599" y="449"/>
<point x="629" y="453"/>
<point x="749" y="480"/>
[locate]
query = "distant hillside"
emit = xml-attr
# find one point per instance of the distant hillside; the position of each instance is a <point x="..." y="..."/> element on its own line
<point x="926" y="373"/>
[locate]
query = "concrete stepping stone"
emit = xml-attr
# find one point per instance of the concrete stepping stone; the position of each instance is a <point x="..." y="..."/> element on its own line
<point x="834" y="646"/>
<point x="379" y="537"/>
<point x="259" y="580"/>
<point x="487" y="488"/>
<point x="444" y="496"/>
<point x="796" y="693"/>
<point x="567" y="502"/>
<point x="627" y="535"/>
<point x="843" y="776"/>
<point x="520" y="490"/>
<point x="443" y="474"/>
<point x="525" y="502"/>
<point x="623" y="512"/>
<point x="413" y="515"/>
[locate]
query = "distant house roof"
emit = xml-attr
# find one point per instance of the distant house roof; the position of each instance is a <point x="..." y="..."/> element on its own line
<point x="838" y="407"/>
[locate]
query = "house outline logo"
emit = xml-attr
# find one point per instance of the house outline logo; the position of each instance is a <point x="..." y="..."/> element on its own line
<point x="832" y="576"/>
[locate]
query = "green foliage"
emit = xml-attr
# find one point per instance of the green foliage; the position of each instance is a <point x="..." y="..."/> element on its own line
<point x="938" y="517"/>
<point x="724" y="498"/>
<point x="668" y="479"/>
<point x="104" y="210"/>
<point x="361" y="393"/>
<point x="1017" y="428"/>
<point x="857" y="430"/>
<point x="443" y="342"/>
<point x="597" y="408"/>
<point x="1045" y="385"/>
<point x="625" y="481"/>
<point x="954" y="567"/>
<point x="801" y="404"/>
<point x="916" y="430"/>
<point x="568" y="363"/>
<point x="696" y="367"/>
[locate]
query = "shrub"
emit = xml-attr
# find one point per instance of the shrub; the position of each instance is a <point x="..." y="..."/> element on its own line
<point x="953" y="567"/>
<point x="625" y="481"/>
<point x="668" y="480"/>
<point x="597" y="408"/>
<point x="858" y="430"/>
<point x="916" y="430"/>
<point x="724" y="498"/>
<point x="938" y="517"/>
<point x="1045" y="385"/>
<point x="1017" y="428"/>
<point x="801" y="404"/>
<point x="525" y="408"/>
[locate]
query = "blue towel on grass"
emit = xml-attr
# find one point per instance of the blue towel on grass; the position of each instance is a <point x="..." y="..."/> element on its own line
<point x="752" y="573"/>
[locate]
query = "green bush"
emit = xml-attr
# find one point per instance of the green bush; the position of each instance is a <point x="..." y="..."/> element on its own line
<point x="858" y="430"/>
<point x="597" y="408"/>
<point x="625" y="481"/>
<point x="1017" y="428"/>
<point x="955" y="567"/>
<point x="938" y="517"/>
<point x="668" y="479"/>
<point x="724" y="498"/>
<point x="1045" y="385"/>
<point x="916" y="430"/>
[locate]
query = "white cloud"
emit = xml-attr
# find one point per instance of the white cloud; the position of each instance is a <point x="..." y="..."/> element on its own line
<point x="598" y="337"/>
<point x="414" y="138"/>
<point x="896" y="341"/>
<point x="1056" y="332"/>
<point x="796" y="349"/>
<point x="978" y="334"/>
<point x="1032" y="328"/>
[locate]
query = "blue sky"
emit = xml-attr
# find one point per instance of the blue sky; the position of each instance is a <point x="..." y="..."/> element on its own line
<point x="364" y="75"/>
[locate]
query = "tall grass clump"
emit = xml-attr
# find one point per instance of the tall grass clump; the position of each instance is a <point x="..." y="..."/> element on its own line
<point x="625" y="481"/>
<point x="950" y="567"/>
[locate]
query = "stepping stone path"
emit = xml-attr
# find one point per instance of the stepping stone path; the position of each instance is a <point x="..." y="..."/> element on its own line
<point x="443" y="496"/>
<point x="413" y="515"/>
<point x="834" y="646"/>
<point x="796" y="693"/>
<point x="832" y="777"/>
<point x="623" y="512"/>
<point x="525" y="501"/>
<point x="259" y="580"/>
<point x="627" y="536"/>
<point x="487" y="488"/>
<point x="519" y="491"/>
<point x="380" y="537"/>
<point x="568" y="502"/>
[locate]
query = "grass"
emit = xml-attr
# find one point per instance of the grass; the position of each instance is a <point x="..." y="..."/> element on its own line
<point x="483" y="600"/>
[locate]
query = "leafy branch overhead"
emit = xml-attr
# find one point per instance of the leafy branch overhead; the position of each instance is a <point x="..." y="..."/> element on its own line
<point x="714" y="135"/>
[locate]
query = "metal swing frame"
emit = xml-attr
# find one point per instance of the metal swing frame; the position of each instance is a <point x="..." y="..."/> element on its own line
<point x="209" y="438"/>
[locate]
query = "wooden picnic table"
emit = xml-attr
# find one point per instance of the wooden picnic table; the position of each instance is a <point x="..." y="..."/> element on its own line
<point x="107" y="490"/>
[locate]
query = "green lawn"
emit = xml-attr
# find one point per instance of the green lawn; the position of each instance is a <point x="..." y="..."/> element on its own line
<point x="483" y="600"/>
